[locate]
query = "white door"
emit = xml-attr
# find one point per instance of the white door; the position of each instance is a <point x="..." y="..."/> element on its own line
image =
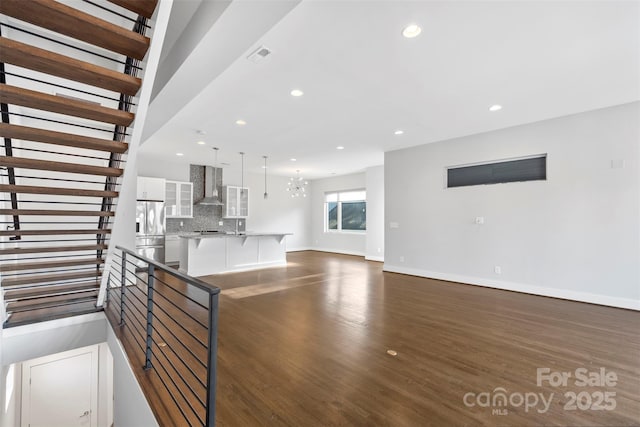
<point x="61" y="390"/>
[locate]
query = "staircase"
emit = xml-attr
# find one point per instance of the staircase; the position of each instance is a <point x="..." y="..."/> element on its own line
<point x="68" y="82"/>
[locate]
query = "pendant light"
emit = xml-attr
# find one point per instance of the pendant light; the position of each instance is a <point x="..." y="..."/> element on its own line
<point x="297" y="187"/>
<point x="266" y="195"/>
<point x="241" y="172"/>
<point x="215" y="175"/>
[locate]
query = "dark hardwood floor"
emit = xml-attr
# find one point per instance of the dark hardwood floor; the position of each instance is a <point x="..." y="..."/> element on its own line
<point x="308" y="345"/>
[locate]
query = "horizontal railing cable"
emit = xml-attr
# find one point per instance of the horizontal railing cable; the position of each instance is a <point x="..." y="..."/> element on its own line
<point x="85" y="92"/>
<point x="47" y="178"/>
<point x="191" y="334"/>
<point x="60" y="122"/>
<point x="22" y="30"/>
<point x="113" y="11"/>
<point x="188" y="401"/>
<point x="185" y="312"/>
<point x="60" y="153"/>
<point x="183" y="295"/>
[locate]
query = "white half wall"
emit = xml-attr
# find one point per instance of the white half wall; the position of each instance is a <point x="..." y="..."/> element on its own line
<point x="375" y="214"/>
<point x="574" y="236"/>
<point x="346" y="243"/>
<point x="130" y="407"/>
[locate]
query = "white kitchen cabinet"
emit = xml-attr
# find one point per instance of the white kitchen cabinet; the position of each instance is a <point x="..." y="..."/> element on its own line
<point x="172" y="249"/>
<point x="178" y="199"/>
<point x="149" y="188"/>
<point x="236" y="202"/>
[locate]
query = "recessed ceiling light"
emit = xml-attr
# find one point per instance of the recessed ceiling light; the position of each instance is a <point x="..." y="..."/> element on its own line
<point x="179" y="154"/>
<point x="297" y="92"/>
<point x="241" y="122"/>
<point x="293" y="160"/>
<point x="340" y="147"/>
<point x="398" y="132"/>
<point x="495" y="107"/>
<point x="201" y="143"/>
<point x="411" y="31"/>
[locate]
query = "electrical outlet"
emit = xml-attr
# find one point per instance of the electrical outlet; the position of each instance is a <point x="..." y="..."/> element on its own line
<point x="379" y="250"/>
<point x="479" y="220"/>
<point x="221" y="223"/>
<point x="402" y="259"/>
<point x="497" y="269"/>
<point x="181" y="223"/>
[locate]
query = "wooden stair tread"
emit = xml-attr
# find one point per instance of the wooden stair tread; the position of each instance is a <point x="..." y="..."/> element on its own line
<point x="61" y="138"/>
<point x="27" y="163"/>
<point x="49" y="264"/>
<point x="74" y="23"/>
<point x="54" y="212"/>
<point x="49" y="290"/>
<point x="58" y="104"/>
<point x="29" y="279"/>
<point x="46" y="249"/>
<point x="55" y="191"/>
<point x="51" y="313"/>
<point x="55" y="64"/>
<point x="141" y="7"/>
<point x="52" y="301"/>
<point x="58" y="232"/>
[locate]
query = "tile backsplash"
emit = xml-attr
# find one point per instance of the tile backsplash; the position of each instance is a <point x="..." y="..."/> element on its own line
<point x="205" y="218"/>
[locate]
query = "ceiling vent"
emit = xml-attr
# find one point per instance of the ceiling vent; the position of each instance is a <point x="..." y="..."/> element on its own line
<point x="259" y="54"/>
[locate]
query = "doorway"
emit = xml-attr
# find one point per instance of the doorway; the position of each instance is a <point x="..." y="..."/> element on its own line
<point x="61" y="390"/>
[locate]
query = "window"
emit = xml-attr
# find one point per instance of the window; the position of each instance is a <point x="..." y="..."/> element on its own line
<point x="346" y="211"/>
<point x="526" y="169"/>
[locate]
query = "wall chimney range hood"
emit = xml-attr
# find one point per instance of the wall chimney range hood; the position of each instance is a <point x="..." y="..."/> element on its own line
<point x="210" y="195"/>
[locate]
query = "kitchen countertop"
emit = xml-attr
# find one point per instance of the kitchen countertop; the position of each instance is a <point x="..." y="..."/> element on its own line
<point x="214" y="235"/>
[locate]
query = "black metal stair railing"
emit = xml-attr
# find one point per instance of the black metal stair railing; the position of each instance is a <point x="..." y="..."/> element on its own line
<point x="170" y="322"/>
<point x="132" y="67"/>
<point x="8" y="149"/>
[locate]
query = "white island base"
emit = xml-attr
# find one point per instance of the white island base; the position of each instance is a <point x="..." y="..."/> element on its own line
<point x="202" y="255"/>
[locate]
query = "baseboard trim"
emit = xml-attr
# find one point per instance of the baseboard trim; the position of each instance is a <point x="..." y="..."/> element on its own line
<point x="374" y="258"/>
<point x="337" y="251"/>
<point x="299" y="249"/>
<point x="626" y="303"/>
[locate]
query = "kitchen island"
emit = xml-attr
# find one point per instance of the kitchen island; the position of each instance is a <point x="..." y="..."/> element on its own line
<point x="213" y="253"/>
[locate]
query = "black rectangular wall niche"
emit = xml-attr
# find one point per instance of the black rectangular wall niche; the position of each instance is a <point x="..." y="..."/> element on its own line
<point x="527" y="169"/>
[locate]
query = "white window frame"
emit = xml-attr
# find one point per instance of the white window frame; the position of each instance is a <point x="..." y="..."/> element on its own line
<point x="339" y="202"/>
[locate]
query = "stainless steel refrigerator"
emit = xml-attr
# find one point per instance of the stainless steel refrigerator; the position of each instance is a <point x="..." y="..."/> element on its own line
<point x="150" y="230"/>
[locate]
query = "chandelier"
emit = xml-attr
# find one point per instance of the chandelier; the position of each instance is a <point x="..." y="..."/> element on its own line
<point x="297" y="186"/>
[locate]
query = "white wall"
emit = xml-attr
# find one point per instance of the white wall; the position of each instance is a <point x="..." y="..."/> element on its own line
<point x="347" y="243"/>
<point x="130" y="407"/>
<point x="375" y="214"/>
<point x="279" y="212"/>
<point x="574" y="236"/>
<point x="41" y="339"/>
<point x="160" y="167"/>
<point x="11" y="395"/>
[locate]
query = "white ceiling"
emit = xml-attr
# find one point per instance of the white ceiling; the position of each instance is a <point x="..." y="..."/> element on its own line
<point x="362" y="80"/>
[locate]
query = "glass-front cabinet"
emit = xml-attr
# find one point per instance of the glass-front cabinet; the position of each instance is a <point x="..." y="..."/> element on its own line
<point x="236" y="202"/>
<point x="179" y="199"/>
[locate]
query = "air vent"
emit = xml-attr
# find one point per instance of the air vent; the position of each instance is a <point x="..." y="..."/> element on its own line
<point x="259" y="54"/>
